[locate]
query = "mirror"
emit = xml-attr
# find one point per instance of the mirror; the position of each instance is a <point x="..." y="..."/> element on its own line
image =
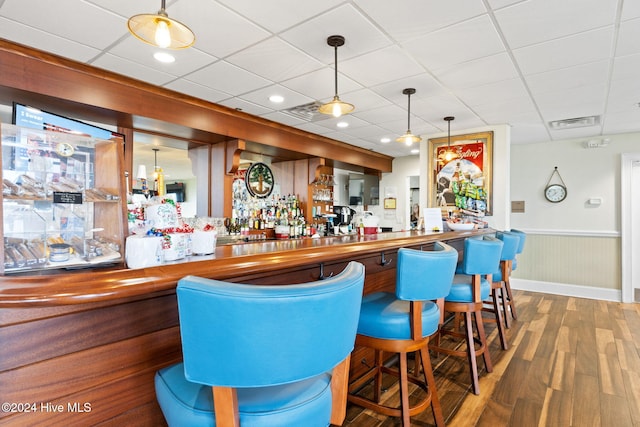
<point x="364" y="189"/>
<point x="173" y="157"/>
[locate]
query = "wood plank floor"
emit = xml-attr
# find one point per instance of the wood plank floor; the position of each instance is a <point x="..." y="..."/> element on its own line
<point x="572" y="362"/>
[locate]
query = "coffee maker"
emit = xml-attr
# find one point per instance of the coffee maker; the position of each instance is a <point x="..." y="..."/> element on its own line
<point x="344" y="214"/>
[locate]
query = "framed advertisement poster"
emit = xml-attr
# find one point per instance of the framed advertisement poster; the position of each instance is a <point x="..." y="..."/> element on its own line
<point x="460" y="175"/>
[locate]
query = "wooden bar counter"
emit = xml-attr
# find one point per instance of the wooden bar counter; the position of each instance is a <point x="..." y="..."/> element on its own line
<point x="81" y="347"/>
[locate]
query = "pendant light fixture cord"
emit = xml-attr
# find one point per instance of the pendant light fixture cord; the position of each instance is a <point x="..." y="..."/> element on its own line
<point x="335" y="50"/>
<point x="408" y="112"/>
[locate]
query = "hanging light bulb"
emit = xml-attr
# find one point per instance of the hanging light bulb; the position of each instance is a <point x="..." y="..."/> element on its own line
<point x="449" y="154"/>
<point x="163" y="36"/>
<point x="408" y="138"/>
<point x="160" y="30"/>
<point x="336" y="107"/>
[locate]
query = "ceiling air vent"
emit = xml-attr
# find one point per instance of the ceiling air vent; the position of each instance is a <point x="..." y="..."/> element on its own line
<point x="578" y="122"/>
<point x="307" y="112"/>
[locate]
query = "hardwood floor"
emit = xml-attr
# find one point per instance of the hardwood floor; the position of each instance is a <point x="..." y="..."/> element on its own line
<point x="571" y="362"/>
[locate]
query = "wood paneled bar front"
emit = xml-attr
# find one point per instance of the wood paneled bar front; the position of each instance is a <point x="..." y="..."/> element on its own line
<point x="82" y="347"/>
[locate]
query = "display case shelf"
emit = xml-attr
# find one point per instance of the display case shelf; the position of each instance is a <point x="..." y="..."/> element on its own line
<point x="62" y="201"/>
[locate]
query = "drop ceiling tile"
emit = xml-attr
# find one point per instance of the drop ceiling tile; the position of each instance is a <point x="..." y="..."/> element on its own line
<point x="434" y="108"/>
<point x="23" y="34"/>
<point x="499" y="4"/>
<point x="572" y="103"/>
<point x="370" y="133"/>
<point x="409" y="19"/>
<point x="197" y="90"/>
<point x="286" y="119"/>
<point x="457" y="43"/>
<point x="132" y="69"/>
<point x="275" y="60"/>
<point x="630" y="10"/>
<point x="365" y="100"/>
<point x="384" y="114"/>
<point x="320" y="84"/>
<point x="425" y="85"/>
<point x="97" y="28"/>
<point x="628" y="37"/>
<point x="242" y="105"/>
<point x="624" y="95"/>
<point x="313" y="127"/>
<point x="569" y="78"/>
<point x="501" y="91"/>
<point x="529" y="133"/>
<point x="569" y="51"/>
<point x="186" y="60"/>
<point x="475" y="73"/>
<point x="353" y="121"/>
<point x="626" y="67"/>
<point x="535" y="21"/>
<point x="508" y="111"/>
<point x="226" y="77"/>
<point x="219" y="31"/>
<point x="361" y="35"/>
<point x="278" y="15"/>
<point x="379" y="67"/>
<point x="261" y="97"/>
<point x="622" y="122"/>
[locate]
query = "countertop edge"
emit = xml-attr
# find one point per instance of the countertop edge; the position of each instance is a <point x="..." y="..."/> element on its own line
<point x="111" y="284"/>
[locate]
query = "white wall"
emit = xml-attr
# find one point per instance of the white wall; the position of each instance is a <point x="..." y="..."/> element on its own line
<point x="587" y="173"/>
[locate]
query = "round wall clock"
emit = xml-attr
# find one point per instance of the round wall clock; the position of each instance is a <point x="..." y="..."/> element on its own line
<point x="259" y="180"/>
<point x="64" y="149"/>
<point x="555" y="193"/>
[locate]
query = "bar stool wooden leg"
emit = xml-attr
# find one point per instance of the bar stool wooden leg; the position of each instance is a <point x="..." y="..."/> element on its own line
<point x="483" y="342"/>
<point x="404" y="390"/>
<point x="499" y="317"/>
<point x="471" y="353"/>
<point x="431" y="383"/>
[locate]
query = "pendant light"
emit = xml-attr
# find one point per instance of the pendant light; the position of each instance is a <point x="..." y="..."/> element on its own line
<point x="336" y="107"/>
<point x="408" y="138"/>
<point x="160" y="30"/>
<point x="449" y="154"/>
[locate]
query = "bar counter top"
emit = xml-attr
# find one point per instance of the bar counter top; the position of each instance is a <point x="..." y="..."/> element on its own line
<point x="55" y="288"/>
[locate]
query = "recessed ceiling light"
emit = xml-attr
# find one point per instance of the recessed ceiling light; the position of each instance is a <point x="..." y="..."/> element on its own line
<point x="342" y="124"/>
<point x="165" y="57"/>
<point x="276" y="99"/>
<point x="415" y="151"/>
<point x="385" y="140"/>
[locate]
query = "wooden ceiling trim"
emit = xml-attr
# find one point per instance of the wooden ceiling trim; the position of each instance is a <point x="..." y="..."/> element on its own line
<point x="39" y="72"/>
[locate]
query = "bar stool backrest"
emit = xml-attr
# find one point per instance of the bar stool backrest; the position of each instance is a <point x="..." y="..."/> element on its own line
<point x="481" y="256"/>
<point x="523" y="238"/>
<point x="242" y="335"/>
<point x="510" y="245"/>
<point x="425" y="275"/>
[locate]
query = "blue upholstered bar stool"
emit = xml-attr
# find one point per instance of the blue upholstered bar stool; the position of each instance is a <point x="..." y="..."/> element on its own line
<point x="263" y="355"/>
<point x="470" y="288"/>
<point x="402" y="323"/>
<point x="497" y="304"/>
<point x="511" y="303"/>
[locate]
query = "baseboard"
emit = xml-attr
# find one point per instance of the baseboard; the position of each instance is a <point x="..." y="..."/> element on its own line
<point x="577" y="291"/>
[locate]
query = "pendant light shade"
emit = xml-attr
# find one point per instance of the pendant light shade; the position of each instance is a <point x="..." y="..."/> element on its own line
<point x="449" y="154"/>
<point x="408" y="138"/>
<point x="336" y="107"/>
<point x="160" y="30"/>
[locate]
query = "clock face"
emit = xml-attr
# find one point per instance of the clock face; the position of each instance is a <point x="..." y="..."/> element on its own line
<point x="555" y="193"/>
<point x="65" y="149"/>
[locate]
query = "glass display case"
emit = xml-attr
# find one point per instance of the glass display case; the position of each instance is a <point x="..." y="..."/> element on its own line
<point x="62" y="201"/>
